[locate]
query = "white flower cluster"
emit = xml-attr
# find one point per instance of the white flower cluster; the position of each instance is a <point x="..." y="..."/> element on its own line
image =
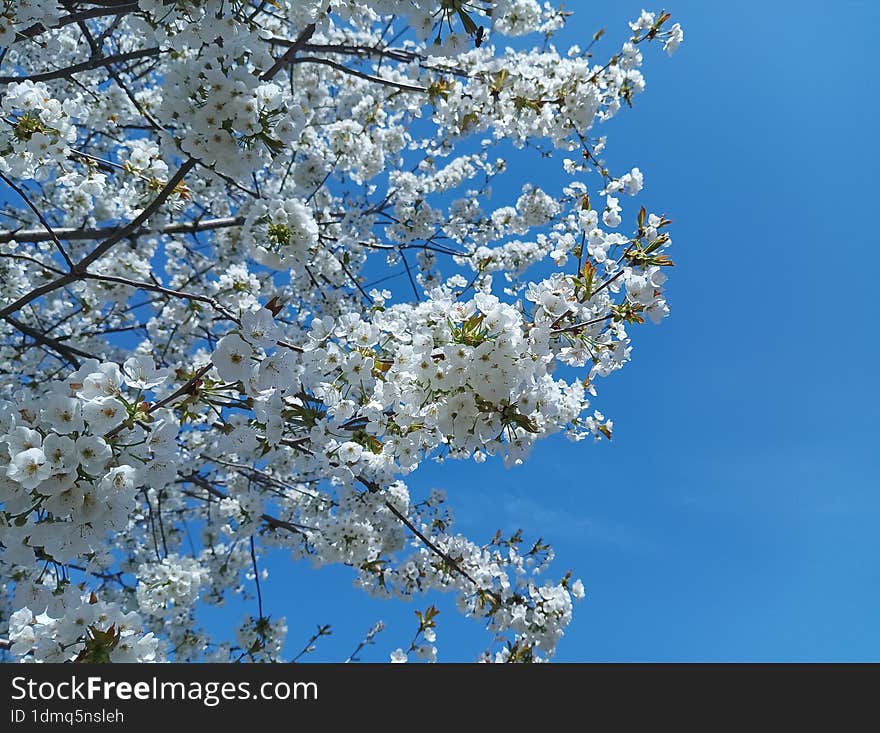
<point x="231" y="121"/>
<point x="498" y="582"/>
<point x="37" y="130"/>
<point x="285" y="234"/>
<point x="170" y="585"/>
<point x="66" y="481"/>
<point x="67" y="626"/>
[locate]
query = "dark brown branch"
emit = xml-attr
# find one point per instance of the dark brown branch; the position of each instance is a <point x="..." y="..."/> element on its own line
<point x="582" y="324"/>
<point x="89" y="65"/>
<point x="273" y="522"/>
<point x="429" y="544"/>
<point x="396" y="54"/>
<point x="360" y="74"/>
<point x="69" y="233"/>
<point x="68" y="352"/>
<point x="285" y="59"/>
<point x="49" y="287"/>
<point x="156" y="288"/>
<point x="448" y="559"/>
<point x="52" y="235"/>
<point x="136" y="223"/>
<point x="186" y="388"/>
<point x="38" y="28"/>
<point x="105" y="3"/>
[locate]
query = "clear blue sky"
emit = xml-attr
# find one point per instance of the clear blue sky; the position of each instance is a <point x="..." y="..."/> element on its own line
<point x="735" y="514"/>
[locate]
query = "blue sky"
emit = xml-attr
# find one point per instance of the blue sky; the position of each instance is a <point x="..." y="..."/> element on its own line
<point x="734" y="516"/>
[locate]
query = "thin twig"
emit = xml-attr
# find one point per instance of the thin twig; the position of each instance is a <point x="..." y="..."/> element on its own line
<point x="182" y="390"/>
<point x="257" y="579"/>
<point x="54" y="237"/>
<point x="360" y="74"/>
<point x="79" y="269"/>
<point x="68" y="352"/>
<point x="156" y="288"/>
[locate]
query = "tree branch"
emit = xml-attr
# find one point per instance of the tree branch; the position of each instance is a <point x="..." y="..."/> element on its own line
<point x="70" y="233"/>
<point x="360" y="74"/>
<point x="89" y="65"/>
<point x="78" y="271"/>
<point x="300" y="41"/>
<point x="186" y="388"/>
<point x="52" y="235"/>
<point x="37" y="28"/>
<point x="156" y="288"/>
<point x="68" y="352"/>
<point x="136" y="223"/>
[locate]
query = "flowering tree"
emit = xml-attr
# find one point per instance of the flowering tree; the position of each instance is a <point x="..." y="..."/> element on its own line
<point x="201" y="198"/>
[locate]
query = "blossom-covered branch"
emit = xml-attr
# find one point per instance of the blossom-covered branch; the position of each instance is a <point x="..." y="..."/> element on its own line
<point x="259" y="265"/>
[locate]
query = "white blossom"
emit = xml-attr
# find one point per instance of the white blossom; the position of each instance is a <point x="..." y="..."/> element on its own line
<point x="29" y="468"/>
<point x="232" y="358"/>
<point x="141" y="373"/>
